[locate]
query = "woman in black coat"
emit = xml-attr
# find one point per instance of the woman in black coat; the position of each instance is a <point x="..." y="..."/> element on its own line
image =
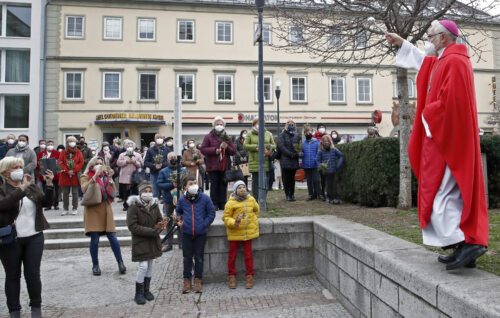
<point x="289" y="151"/>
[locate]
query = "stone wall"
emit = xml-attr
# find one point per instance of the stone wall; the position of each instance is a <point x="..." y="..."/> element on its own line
<point x="371" y="273"/>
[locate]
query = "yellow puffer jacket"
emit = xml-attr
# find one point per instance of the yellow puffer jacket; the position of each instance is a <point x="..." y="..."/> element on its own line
<point x="249" y="226"/>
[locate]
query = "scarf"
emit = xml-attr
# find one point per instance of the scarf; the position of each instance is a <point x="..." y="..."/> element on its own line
<point x="107" y="189"/>
<point x="238" y="198"/>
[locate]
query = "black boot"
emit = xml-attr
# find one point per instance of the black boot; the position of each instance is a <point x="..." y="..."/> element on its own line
<point x="447" y="259"/>
<point x="147" y="293"/>
<point x="96" y="271"/>
<point x="121" y="267"/>
<point x="465" y="255"/>
<point x="139" y="294"/>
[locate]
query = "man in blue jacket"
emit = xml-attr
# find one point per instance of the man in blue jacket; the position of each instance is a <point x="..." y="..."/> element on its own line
<point x="310" y="148"/>
<point x="155" y="160"/>
<point x="195" y="212"/>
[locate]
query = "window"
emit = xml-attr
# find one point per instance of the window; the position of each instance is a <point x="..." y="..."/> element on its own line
<point x="363" y="90"/>
<point x="18" y="21"/>
<point x="148" y="86"/>
<point x="335" y="40"/>
<point x="186" y="83"/>
<point x="266" y="33"/>
<point x="73" y="85"/>
<point x="224" y="88"/>
<point x="360" y="40"/>
<point x="112" y="28"/>
<point x="337" y="89"/>
<point x="146" y="29"/>
<point x="75" y="27"/>
<point x="224" y="31"/>
<point x="17" y="66"/>
<point x="268" y="90"/>
<point x="298" y="89"/>
<point x="411" y="88"/>
<point x="16" y="109"/>
<point x="185" y="30"/>
<point x="296" y="35"/>
<point x="111" y="85"/>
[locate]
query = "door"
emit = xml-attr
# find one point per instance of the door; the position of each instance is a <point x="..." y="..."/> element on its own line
<point x="146" y="138"/>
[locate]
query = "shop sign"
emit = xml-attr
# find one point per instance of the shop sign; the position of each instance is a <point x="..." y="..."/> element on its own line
<point x="131" y="117"/>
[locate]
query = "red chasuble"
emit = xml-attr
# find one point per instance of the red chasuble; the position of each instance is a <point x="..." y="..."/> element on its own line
<point x="447" y="100"/>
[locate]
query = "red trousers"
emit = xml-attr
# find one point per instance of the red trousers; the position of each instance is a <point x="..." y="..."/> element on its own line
<point x="247" y="252"/>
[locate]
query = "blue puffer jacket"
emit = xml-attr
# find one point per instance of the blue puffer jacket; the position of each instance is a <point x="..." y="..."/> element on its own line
<point x="310" y="150"/>
<point x="334" y="159"/>
<point x="165" y="184"/>
<point x="197" y="215"/>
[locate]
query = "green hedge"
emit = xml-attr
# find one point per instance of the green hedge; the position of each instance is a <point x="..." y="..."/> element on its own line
<point x="370" y="176"/>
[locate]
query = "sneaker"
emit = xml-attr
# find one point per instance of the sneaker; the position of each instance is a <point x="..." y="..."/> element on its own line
<point x="186" y="288"/>
<point x="231" y="281"/>
<point x="74" y="212"/>
<point x="64" y="212"/>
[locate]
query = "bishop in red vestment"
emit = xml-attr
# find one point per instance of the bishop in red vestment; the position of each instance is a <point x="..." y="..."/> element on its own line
<point x="444" y="149"/>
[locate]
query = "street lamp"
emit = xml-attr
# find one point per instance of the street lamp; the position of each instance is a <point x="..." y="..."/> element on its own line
<point x="277" y="91"/>
<point x="260" y="86"/>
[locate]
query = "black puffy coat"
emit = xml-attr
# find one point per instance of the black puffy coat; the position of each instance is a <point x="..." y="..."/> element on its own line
<point x="289" y="147"/>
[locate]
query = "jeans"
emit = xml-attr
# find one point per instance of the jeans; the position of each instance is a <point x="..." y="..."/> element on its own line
<point x="288" y="176"/>
<point x="313" y="185"/>
<point x="323" y="184"/>
<point x="153" y="178"/>
<point x="331" y="190"/>
<point x="144" y="269"/>
<point x="255" y="184"/>
<point x="94" y="246"/>
<point x="218" y="189"/>
<point x="247" y="253"/>
<point x="193" y="246"/>
<point x="74" y="197"/>
<point x="27" y="251"/>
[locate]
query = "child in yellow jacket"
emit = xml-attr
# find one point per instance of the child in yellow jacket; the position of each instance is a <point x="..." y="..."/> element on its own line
<point x="241" y="217"/>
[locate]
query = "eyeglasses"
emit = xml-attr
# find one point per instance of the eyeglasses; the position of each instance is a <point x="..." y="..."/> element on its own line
<point x="430" y="36"/>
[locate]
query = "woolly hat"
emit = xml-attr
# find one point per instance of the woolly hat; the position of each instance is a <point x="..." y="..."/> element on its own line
<point x="217" y="118"/>
<point x="450" y="26"/>
<point x="144" y="185"/>
<point x="237" y="184"/>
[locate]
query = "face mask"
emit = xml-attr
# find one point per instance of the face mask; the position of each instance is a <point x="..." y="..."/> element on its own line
<point x="309" y="136"/>
<point x="430" y="49"/>
<point x="244" y="135"/>
<point x="256" y="127"/>
<point x="130" y="149"/>
<point x="97" y="167"/>
<point x="22" y="144"/>
<point x="43" y="146"/>
<point x="82" y="143"/>
<point x="334" y="136"/>
<point x="219" y="128"/>
<point x="170" y="144"/>
<point x="291" y="129"/>
<point x="11" y="141"/>
<point x="72" y="144"/>
<point x="60" y="150"/>
<point x="147" y="196"/>
<point x="327" y="146"/>
<point x="106" y="149"/>
<point x="191" y="145"/>
<point x="173" y="162"/>
<point x="322" y="130"/>
<point x="50" y="148"/>
<point x="193" y="189"/>
<point x="17" y="175"/>
<point x="159" y="141"/>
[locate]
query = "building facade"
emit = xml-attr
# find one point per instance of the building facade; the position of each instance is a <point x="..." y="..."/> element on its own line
<point x="21" y="76"/>
<point x="113" y="68"/>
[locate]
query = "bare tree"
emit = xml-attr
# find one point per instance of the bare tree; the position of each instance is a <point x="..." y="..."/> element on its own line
<point x="340" y="32"/>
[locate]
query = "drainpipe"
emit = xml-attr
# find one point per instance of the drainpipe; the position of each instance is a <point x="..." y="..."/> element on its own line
<point x="41" y="130"/>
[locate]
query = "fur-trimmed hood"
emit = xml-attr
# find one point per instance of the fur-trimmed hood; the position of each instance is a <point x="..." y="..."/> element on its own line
<point x="136" y="200"/>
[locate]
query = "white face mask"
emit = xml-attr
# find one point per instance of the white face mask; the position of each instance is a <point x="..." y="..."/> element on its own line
<point x="170" y="144"/>
<point x="146" y="196"/>
<point x="244" y="135"/>
<point x="17" y="175"/>
<point x="193" y="189"/>
<point x="256" y="127"/>
<point x="106" y="149"/>
<point x="72" y="144"/>
<point x="322" y="130"/>
<point x="11" y="141"/>
<point x="430" y="49"/>
<point x="50" y="148"/>
<point x="219" y="128"/>
<point x="191" y="145"/>
<point x="159" y="141"/>
<point x="22" y="144"/>
<point x="60" y="150"/>
<point x="97" y="168"/>
<point x="43" y="146"/>
<point x="130" y="149"/>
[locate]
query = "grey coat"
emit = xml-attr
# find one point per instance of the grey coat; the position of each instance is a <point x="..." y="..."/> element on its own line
<point x="29" y="157"/>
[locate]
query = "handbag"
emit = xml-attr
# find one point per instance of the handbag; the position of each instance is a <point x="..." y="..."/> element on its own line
<point x="300" y="175"/>
<point x="233" y="174"/>
<point x="138" y="176"/>
<point x="92" y="196"/>
<point x="244" y="169"/>
<point x="8" y="235"/>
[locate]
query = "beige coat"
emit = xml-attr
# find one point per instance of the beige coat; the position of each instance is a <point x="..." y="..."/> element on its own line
<point x="97" y="218"/>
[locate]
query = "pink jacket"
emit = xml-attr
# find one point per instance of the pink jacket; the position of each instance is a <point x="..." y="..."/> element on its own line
<point x="127" y="169"/>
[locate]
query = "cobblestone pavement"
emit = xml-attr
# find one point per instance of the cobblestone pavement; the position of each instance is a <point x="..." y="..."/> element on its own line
<point x="70" y="290"/>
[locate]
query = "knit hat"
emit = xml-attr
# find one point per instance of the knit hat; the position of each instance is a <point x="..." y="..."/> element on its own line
<point x="217" y="118"/>
<point x="237" y="184"/>
<point x="450" y="26"/>
<point x="144" y="185"/>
